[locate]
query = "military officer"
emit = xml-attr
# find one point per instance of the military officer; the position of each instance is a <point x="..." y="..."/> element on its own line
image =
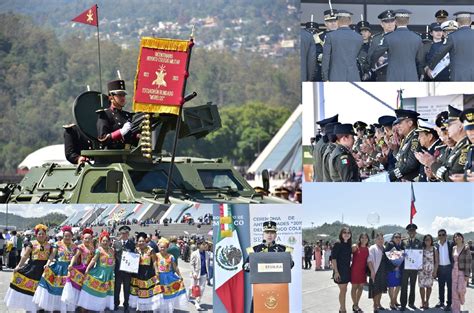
<point x="460" y="46"/>
<point x="437" y="34"/>
<point x="390" y="146"/>
<point x="407" y="166"/>
<point x="330" y="21"/>
<point x="114" y="123"/>
<point x="405" y="51"/>
<point x="340" y="51"/>
<point x="308" y="56"/>
<point x="359" y="127"/>
<point x="429" y="141"/>
<point x="441" y="16"/>
<point x="75" y="142"/>
<point x="467" y="118"/>
<point x="342" y="164"/>
<point x="379" y="66"/>
<point x="329" y="129"/>
<point x="409" y="276"/>
<point x="319" y="149"/>
<point x="363" y="28"/>
<point x="456" y="160"/>
<point x="268" y="244"/>
<point x="124" y="243"/>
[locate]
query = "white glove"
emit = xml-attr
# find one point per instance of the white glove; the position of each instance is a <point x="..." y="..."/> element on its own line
<point x="125" y="128"/>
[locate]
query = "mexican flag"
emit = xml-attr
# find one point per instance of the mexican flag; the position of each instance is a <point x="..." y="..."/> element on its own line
<point x="229" y="277"/>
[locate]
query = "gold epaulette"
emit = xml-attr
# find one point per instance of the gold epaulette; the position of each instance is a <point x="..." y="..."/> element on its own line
<point x="288" y="249"/>
<point x="250" y="250"/>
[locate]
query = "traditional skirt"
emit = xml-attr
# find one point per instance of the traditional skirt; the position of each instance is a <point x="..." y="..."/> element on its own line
<point x="174" y="293"/>
<point x="50" y="288"/>
<point x="97" y="292"/>
<point x="145" y="291"/>
<point x="73" y="286"/>
<point x="23" y="286"/>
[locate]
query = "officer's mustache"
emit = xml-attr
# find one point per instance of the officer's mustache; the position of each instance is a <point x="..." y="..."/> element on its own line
<point x="268" y="243"/>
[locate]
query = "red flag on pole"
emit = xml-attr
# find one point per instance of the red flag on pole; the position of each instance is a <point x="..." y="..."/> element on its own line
<point x="412" y="207"/>
<point x="88" y="17"/>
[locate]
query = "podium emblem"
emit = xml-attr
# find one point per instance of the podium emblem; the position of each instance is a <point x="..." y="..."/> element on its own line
<point x="271" y="300"/>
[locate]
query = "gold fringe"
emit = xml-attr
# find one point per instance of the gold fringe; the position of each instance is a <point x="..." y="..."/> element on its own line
<point x="164" y="44"/>
<point x="226" y="219"/>
<point x="154" y="108"/>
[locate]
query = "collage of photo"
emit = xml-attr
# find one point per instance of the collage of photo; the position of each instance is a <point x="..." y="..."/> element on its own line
<point x="270" y="156"/>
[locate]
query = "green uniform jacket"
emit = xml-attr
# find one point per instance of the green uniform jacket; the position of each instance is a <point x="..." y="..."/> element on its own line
<point x="343" y="166"/>
<point x="454" y="163"/>
<point x="407" y="166"/>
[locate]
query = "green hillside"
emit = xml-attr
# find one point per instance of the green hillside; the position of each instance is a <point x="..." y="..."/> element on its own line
<point x="23" y="223"/>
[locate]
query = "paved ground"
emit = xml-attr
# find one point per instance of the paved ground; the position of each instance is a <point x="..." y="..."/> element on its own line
<point x="206" y="303"/>
<point x="320" y="294"/>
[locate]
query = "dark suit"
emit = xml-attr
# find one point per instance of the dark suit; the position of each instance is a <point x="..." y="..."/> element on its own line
<point x="405" y="52"/>
<point x="409" y="276"/>
<point x="122" y="277"/>
<point x="460" y="46"/>
<point x="340" y="52"/>
<point x="445" y="275"/>
<point x="308" y="57"/>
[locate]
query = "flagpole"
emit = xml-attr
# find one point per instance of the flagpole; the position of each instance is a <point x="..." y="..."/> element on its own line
<point x="98" y="50"/>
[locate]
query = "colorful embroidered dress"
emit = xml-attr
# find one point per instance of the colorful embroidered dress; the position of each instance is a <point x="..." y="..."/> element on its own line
<point x="97" y="292"/>
<point x="25" y="281"/>
<point x="172" y="286"/>
<point x="76" y="276"/>
<point x="144" y="285"/>
<point x="51" y="285"/>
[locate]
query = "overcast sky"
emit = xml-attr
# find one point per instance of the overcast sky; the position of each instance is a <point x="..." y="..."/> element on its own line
<point x="439" y="205"/>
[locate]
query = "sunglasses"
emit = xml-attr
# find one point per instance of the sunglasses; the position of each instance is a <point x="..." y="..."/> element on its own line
<point x="441" y="235"/>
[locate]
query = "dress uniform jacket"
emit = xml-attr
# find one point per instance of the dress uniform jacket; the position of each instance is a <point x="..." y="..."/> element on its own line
<point x="308" y="56"/>
<point x="380" y="74"/>
<point x="110" y="120"/>
<point x="405" y="52"/>
<point x="74" y="143"/>
<point x="327" y="153"/>
<point x="318" y="151"/>
<point x="343" y="166"/>
<point x="431" y="150"/>
<point x="407" y="166"/>
<point x="340" y="52"/>
<point x="469" y="167"/>
<point x="460" y="45"/>
<point x="454" y="162"/>
<point x="274" y="247"/>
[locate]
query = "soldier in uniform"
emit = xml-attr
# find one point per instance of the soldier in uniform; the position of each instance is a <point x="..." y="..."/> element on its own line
<point x="438" y="42"/>
<point x="407" y="166"/>
<point x="342" y="164"/>
<point x="268" y="244"/>
<point x="467" y="118"/>
<point x="429" y="141"/>
<point x="455" y="162"/>
<point x="460" y="46"/>
<point x="359" y="127"/>
<point x="405" y="51"/>
<point x="409" y="276"/>
<point x="75" y="142"/>
<point x="388" y="149"/>
<point x="308" y="56"/>
<point x="340" y="51"/>
<point x="319" y="149"/>
<point x="329" y="129"/>
<point x="124" y="243"/>
<point x="330" y="21"/>
<point x="378" y="69"/>
<point x="114" y="124"/>
<point x="441" y="16"/>
<point x="363" y="28"/>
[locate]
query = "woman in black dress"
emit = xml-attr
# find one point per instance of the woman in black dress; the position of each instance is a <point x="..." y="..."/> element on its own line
<point x="341" y="264"/>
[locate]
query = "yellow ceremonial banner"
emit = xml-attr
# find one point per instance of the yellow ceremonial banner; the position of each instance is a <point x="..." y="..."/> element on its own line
<point x="162" y="70"/>
<point x="272" y="298"/>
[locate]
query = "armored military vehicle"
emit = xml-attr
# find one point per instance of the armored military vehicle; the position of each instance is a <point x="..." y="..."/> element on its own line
<point x="138" y="174"/>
